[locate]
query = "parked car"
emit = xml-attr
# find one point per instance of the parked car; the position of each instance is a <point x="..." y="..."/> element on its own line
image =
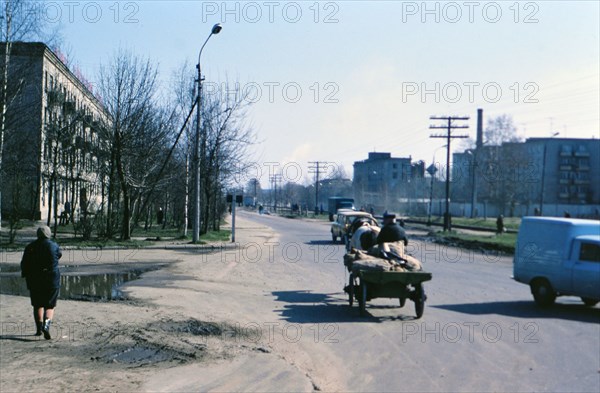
<point x="340" y="228"/>
<point x="559" y="256"/>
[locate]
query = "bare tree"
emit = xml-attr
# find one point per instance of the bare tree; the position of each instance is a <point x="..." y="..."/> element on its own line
<point x="226" y="137"/>
<point x="337" y="172"/>
<point x="501" y="129"/>
<point x="128" y="88"/>
<point x="184" y="98"/>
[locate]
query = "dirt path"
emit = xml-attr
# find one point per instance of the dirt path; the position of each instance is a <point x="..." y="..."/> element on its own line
<point x="203" y="322"/>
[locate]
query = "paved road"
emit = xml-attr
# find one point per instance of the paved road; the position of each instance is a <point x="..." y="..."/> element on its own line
<point x="480" y="332"/>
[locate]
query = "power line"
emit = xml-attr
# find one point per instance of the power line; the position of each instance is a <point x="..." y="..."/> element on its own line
<point x="448" y="127"/>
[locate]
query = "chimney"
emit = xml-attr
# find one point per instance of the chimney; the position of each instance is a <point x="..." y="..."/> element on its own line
<point x="479" y="142"/>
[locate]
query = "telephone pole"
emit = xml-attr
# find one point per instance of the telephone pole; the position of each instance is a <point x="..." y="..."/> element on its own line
<point x="317" y="167"/>
<point x="274" y="180"/>
<point x="448" y="127"/>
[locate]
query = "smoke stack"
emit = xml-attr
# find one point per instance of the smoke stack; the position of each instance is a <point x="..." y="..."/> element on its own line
<point x="479" y="142"/>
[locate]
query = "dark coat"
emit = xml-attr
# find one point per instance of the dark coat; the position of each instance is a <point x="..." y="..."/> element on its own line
<point x="39" y="265"/>
<point x="392" y="233"/>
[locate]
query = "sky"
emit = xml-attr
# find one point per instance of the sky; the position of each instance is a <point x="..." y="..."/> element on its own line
<point x="332" y="81"/>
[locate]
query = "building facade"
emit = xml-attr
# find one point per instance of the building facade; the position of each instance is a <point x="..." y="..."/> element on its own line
<point x="54" y="159"/>
<point x="384" y="182"/>
<point x="549" y="176"/>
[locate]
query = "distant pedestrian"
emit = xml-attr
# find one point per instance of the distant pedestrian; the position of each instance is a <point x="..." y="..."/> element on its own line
<point x="39" y="266"/>
<point x="68" y="211"/>
<point x="500" y="224"/>
<point x="159" y="216"/>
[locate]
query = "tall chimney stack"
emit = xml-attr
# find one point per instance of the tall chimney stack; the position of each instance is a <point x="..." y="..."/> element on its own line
<point x="479" y="142"/>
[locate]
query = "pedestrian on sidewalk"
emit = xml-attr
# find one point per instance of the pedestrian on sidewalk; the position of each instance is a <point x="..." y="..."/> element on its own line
<point x="39" y="266"/>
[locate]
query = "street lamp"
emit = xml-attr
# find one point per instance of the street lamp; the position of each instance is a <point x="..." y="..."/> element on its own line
<point x="195" y="237"/>
<point x="544" y="174"/>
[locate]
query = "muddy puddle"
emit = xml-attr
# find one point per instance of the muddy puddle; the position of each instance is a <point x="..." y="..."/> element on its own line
<point x="167" y="341"/>
<point x="77" y="282"/>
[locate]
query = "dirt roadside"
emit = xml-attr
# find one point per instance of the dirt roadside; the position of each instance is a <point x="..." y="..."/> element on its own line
<point x="201" y="323"/>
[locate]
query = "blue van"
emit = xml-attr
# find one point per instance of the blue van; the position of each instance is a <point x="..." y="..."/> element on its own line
<point x="559" y="256"/>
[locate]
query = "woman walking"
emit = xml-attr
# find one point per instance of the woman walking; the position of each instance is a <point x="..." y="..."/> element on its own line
<point x="39" y="266"/>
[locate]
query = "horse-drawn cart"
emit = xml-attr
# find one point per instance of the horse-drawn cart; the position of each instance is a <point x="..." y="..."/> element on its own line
<point x="365" y="285"/>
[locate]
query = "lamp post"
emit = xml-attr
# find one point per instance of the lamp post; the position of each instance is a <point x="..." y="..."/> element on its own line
<point x="195" y="236"/>
<point x="544" y="174"/>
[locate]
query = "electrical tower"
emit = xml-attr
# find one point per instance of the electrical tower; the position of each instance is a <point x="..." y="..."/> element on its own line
<point x="448" y="127"/>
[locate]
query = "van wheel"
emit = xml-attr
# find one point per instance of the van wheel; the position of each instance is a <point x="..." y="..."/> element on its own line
<point x="589" y="301"/>
<point x="543" y="294"/>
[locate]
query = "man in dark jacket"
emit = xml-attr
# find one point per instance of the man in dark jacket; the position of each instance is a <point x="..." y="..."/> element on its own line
<point x="39" y="266"/>
<point x="391" y="231"/>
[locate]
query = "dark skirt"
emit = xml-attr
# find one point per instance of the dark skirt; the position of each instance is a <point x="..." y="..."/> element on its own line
<point x="44" y="297"/>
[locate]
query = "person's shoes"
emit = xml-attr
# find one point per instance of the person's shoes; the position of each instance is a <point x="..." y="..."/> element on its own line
<point x="38" y="331"/>
<point x="46" y="329"/>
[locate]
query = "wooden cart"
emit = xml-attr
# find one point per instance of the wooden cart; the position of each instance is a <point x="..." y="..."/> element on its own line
<point x="365" y="285"/>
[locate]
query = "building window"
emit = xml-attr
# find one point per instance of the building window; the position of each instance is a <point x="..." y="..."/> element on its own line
<point x="566" y="150"/>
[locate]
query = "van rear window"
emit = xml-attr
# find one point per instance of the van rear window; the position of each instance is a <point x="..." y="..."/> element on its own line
<point x="589" y="252"/>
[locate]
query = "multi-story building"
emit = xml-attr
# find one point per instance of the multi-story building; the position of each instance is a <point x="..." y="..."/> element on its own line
<point x="550" y="176"/>
<point x="384" y="182"/>
<point x="53" y="158"/>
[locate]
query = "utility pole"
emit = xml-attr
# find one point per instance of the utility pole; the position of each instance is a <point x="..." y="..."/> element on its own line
<point x="233" y="203"/>
<point x="274" y="180"/>
<point x="448" y="127"/>
<point x="316" y="167"/>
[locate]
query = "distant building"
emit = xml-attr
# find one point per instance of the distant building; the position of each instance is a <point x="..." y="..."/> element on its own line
<point x="53" y="157"/>
<point x="563" y="174"/>
<point x="383" y="182"/>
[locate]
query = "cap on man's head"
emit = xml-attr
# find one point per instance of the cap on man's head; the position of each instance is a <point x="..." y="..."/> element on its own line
<point x="389" y="215"/>
<point x="43" y="232"/>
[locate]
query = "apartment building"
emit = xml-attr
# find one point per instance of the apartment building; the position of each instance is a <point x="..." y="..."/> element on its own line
<point x="54" y="159"/>
<point x="385" y="182"/>
<point x="547" y="175"/>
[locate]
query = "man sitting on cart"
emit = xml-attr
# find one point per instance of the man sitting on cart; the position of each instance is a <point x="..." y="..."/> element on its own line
<point x="391" y="231"/>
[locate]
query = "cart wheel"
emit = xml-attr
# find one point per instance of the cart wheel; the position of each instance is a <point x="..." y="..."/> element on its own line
<point x="419" y="300"/>
<point x="351" y="290"/>
<point x="402" y="301"/>
<point x="363" y="298"/>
